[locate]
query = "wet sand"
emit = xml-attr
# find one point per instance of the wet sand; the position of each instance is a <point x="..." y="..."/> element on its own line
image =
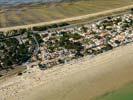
<point x="59" y="13"/>
<point x="79" y="80"/>
<point x="124" y="93"/>
<point x="84" y="80"/>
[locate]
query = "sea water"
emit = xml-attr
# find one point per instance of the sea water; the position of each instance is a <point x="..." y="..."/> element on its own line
<point x="14" y="2"/>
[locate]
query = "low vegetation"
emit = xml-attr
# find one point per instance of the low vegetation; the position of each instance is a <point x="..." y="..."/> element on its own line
<point x="58" y="46"/>
<point x="23" y="15"/>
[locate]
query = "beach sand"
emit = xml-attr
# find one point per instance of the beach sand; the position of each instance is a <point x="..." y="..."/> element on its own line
<point x="79" y="80"/>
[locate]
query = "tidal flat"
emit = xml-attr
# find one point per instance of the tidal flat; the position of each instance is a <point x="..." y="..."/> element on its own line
<point x="36" y="13"/>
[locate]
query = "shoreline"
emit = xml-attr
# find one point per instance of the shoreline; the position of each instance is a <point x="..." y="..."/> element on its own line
<point x="57" y="78"/>
<point x="118" y="93"/>
<point x="26" y="4"/>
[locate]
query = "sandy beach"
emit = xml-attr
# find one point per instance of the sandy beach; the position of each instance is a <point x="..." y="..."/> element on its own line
<point x="82" y="79"/>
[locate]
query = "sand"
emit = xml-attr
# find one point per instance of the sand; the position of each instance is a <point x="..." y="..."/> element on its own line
<point x="70" y="19"/>
<point x="82" y="79"/>
<point x="25" y="14"/>
<point x="124" y="93"/>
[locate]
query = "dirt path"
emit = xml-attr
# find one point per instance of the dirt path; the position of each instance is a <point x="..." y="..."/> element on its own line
<point x="103" y="13"/>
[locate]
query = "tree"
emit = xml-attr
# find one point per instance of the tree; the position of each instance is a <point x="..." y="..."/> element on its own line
<point x="76" y="36"/>
<point x="39" y="38"/>
<point x="84" y="29"/>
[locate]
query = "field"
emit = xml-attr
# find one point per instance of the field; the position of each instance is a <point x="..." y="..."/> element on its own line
<point x="125" y="93"/>
<point x="29" y="14"/>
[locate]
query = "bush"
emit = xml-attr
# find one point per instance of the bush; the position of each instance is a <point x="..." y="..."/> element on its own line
<point x="61" y="61"/>
<point x="1" y="75"/>
<point x="20" y="73"/>
<point x="63" y="24"/>
<point x="42" y="66"/>
<point x="22" y="31"/>
<point x="76" y="36"/>
<point x="40" y="28"/>
<point x="39" y="38"/>
<point x="2" y="36"/>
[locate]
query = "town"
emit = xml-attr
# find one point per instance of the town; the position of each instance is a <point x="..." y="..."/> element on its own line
<point x="53" y="47"/>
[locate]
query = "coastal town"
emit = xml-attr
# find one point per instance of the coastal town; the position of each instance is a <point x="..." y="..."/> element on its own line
<point x="66" y="49"/>
<point x="47" y="48"/>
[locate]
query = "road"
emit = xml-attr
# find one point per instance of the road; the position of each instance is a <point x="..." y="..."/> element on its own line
<point x="70" y="19"/>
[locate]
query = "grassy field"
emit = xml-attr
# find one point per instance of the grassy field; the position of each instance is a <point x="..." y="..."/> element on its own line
<point x="125" y="93"/>
<point x="42" y="13"/>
